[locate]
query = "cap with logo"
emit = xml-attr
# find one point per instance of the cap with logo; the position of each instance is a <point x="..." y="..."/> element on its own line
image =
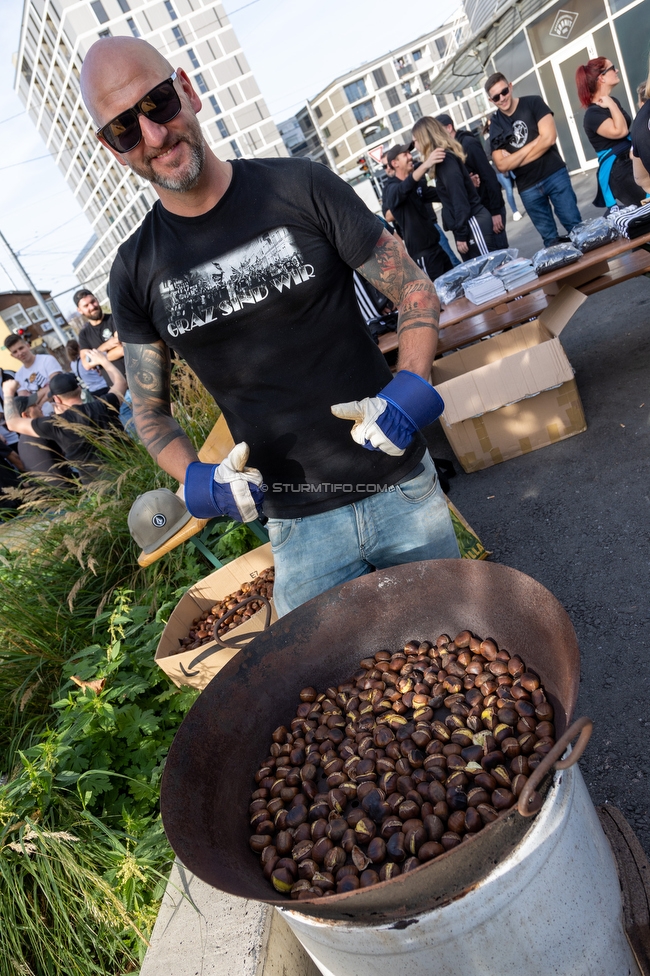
<point x="155" y="517"/>
<point x="395" y="151"/>
<point x="21" y="403"/>
<point x="62" y="384"/>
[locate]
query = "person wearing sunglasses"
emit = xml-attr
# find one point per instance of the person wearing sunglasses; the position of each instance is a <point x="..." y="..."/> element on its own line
<point x="523" y="141"/>
<point x="607" y="126"/>
<point x="245" y="268"/>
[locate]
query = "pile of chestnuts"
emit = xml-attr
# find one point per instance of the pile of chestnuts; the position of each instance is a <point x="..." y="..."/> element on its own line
<point x="202" y="629"/>
<point x="410" y="758"/>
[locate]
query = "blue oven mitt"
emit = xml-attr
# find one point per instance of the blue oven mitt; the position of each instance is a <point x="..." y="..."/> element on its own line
<point x="229" y="488"/>
<point x="389" y="421"/>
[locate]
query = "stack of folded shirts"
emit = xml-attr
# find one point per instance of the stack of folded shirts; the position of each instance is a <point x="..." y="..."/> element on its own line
<point x="483" y="288"/>
<point x="516" y="273"/>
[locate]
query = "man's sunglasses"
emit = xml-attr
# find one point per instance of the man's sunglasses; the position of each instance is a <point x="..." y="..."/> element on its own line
<point x="499" y="95"/>
<point x="612" y="67"/>
<point x="161" y="105"/>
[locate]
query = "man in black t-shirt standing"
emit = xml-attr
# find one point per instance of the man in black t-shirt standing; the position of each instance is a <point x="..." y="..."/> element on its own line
<point x="408" y="198"/>
<point x="245" y="268"/>
<point x="523" y="141"/>
<point x="100" y="333"/>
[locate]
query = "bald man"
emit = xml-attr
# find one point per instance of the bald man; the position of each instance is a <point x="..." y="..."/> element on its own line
<point x="245" y="268"/>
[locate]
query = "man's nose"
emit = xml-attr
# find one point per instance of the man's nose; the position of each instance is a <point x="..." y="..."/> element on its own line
<point x="153" y="134"/>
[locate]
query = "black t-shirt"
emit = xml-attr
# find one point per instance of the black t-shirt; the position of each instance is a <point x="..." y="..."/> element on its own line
<point x="410" y="204"/>
<point x="640" y="133"/>
<point x="594" y="118"/>
<point x="513" y="132"/>
<point x="93" y="336"/>
<point x="101" y="414"/>
<point x="257" y="295"/>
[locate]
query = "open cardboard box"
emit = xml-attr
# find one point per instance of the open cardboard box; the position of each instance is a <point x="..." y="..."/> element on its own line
<point x="198" y="598"/>
<point x="513" y="393"/>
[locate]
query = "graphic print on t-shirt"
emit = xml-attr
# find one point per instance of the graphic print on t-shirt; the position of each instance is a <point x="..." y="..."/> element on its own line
<point x="244" y="276"/>
<point x="519" y="134"/>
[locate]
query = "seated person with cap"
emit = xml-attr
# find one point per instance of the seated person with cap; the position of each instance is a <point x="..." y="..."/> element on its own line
<point x="70" y="409"/>
<point x="39" y="456"/>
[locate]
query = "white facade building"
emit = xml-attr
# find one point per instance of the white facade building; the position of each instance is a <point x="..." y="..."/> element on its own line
<point x="378" y="103"/>
<point x="195" y="35"/>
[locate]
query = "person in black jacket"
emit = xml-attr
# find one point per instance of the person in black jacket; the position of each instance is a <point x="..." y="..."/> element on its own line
<point x="483" y="177"/>
<point x="408" y="198"/>
<point x="462" y="211"/>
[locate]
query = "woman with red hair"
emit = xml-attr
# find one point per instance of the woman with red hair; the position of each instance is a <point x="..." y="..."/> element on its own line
<point x="607" y="126"/>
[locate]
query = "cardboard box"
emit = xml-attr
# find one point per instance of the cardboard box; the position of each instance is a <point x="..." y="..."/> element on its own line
<point x="513" y="393"/>
<point x="181" y="667"/>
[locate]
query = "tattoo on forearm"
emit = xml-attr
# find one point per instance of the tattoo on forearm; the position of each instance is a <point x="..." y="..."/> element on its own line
<point x="148" y="373"/>
<point x="397" y="276"/>
<point x="11" y="413"/>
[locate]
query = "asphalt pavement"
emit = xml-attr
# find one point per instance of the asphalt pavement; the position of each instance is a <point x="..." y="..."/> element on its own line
<point x="575" y="516"/>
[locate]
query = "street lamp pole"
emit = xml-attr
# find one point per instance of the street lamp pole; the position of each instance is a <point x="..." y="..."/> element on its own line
<point x="18" y="268"/>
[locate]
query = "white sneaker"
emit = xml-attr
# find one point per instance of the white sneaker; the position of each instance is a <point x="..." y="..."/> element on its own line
<point x="516" y="215"/>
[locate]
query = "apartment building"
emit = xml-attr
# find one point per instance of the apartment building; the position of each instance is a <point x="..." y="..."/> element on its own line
<point x="195" y="35"/>
<point x="378" y="102"/>
<point x="301" y="138"/>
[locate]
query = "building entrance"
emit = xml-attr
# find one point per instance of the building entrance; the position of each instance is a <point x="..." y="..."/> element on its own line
<point x="564" y="65"/>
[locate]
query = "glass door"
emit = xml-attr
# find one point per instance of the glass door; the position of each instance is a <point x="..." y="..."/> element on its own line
<point x="564" y="64"/>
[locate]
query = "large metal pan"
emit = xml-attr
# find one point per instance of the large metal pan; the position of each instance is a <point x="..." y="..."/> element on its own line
<point x="209" y="773"/>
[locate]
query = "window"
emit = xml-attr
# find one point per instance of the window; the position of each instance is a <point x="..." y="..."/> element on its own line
<point x="201" y="85"/>
<point x="193" y="58"/>
<point x="395" y="121"/>
<point x="425" y="78"/>
<point x="326" y="132"/>
<point x="416" y="55"/>
<point x="26" y="70"/>
<point x="170" y="10"/>
<point x="355" y="90"/>
<point x="416" y="111"/>
<point x="393" y="97"/>
<point x="124" y="6"/>
<point x="317" y="112"/>
<point x="364" y="111"/>
<point x="178" y="34"/>
<point x="223" y="128"/>
<point x="235" y="148"/>
<point x="99" y="12"/>
<point x="379" y="78"/>
<point x="215" y="106"/>
<point x="335" y="152"/>
<point x="441" y="44"/>
<point x="133" y="27"/>
<point x="105" y="33"/>
<point x="407" y="89"/>
<point x="403" y="66"/>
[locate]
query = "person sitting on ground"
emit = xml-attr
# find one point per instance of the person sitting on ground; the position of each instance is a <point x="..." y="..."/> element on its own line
<point x="38" y="455"/>
<point x="607" y="126"/>
<point x="462" y="210"/>
<point x="70" y="409"/>
<point x="35" y="371"/>
<point x="483" y="176"/>
<point x="91" y="379"/>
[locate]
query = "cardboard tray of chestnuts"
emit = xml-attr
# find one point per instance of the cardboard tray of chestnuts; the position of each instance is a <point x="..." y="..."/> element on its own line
<point x="222" y="744"/>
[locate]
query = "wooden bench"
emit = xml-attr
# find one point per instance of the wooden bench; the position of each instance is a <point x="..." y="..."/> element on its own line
<point x="628" y="265"/>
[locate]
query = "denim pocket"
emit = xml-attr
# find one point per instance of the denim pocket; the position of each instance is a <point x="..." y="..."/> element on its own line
<point x="422" y="486"/>
<point x="280" y="531"/>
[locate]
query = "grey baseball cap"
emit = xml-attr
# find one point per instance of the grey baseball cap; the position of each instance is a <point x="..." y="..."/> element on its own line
<point x="155" y="517"/>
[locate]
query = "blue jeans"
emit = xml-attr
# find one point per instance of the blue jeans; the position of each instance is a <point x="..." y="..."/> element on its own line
<point x="446" y="246"/>
<point x="506" y="182"/>
<point x="557" y="190"/>
<point x="403" y="524"/>
<point x="126" y="415"/>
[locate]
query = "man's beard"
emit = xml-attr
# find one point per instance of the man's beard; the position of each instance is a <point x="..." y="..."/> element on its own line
<point x="190" y="178"/>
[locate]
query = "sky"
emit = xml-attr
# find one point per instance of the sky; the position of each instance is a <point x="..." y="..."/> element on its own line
<point x="294" y="47"/>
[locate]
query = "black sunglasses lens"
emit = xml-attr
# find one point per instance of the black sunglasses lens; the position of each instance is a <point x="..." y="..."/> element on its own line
<point x="123" y="133"/>
<point x="162" y="104"/>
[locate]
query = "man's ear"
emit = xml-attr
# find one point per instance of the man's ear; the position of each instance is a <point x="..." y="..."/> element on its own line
<point x="189" y="91"/>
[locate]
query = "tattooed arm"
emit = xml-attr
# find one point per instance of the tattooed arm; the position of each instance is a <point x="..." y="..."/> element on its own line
<point x="148" y="372"/>
<point x="397" y="276"/>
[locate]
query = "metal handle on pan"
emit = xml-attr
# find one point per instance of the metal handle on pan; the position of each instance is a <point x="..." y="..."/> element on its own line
<point x="233" y="641"/>
<point x="529" y="800"/>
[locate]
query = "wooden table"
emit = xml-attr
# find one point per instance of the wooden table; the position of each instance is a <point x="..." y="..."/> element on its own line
<point x="462" y="322"/>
